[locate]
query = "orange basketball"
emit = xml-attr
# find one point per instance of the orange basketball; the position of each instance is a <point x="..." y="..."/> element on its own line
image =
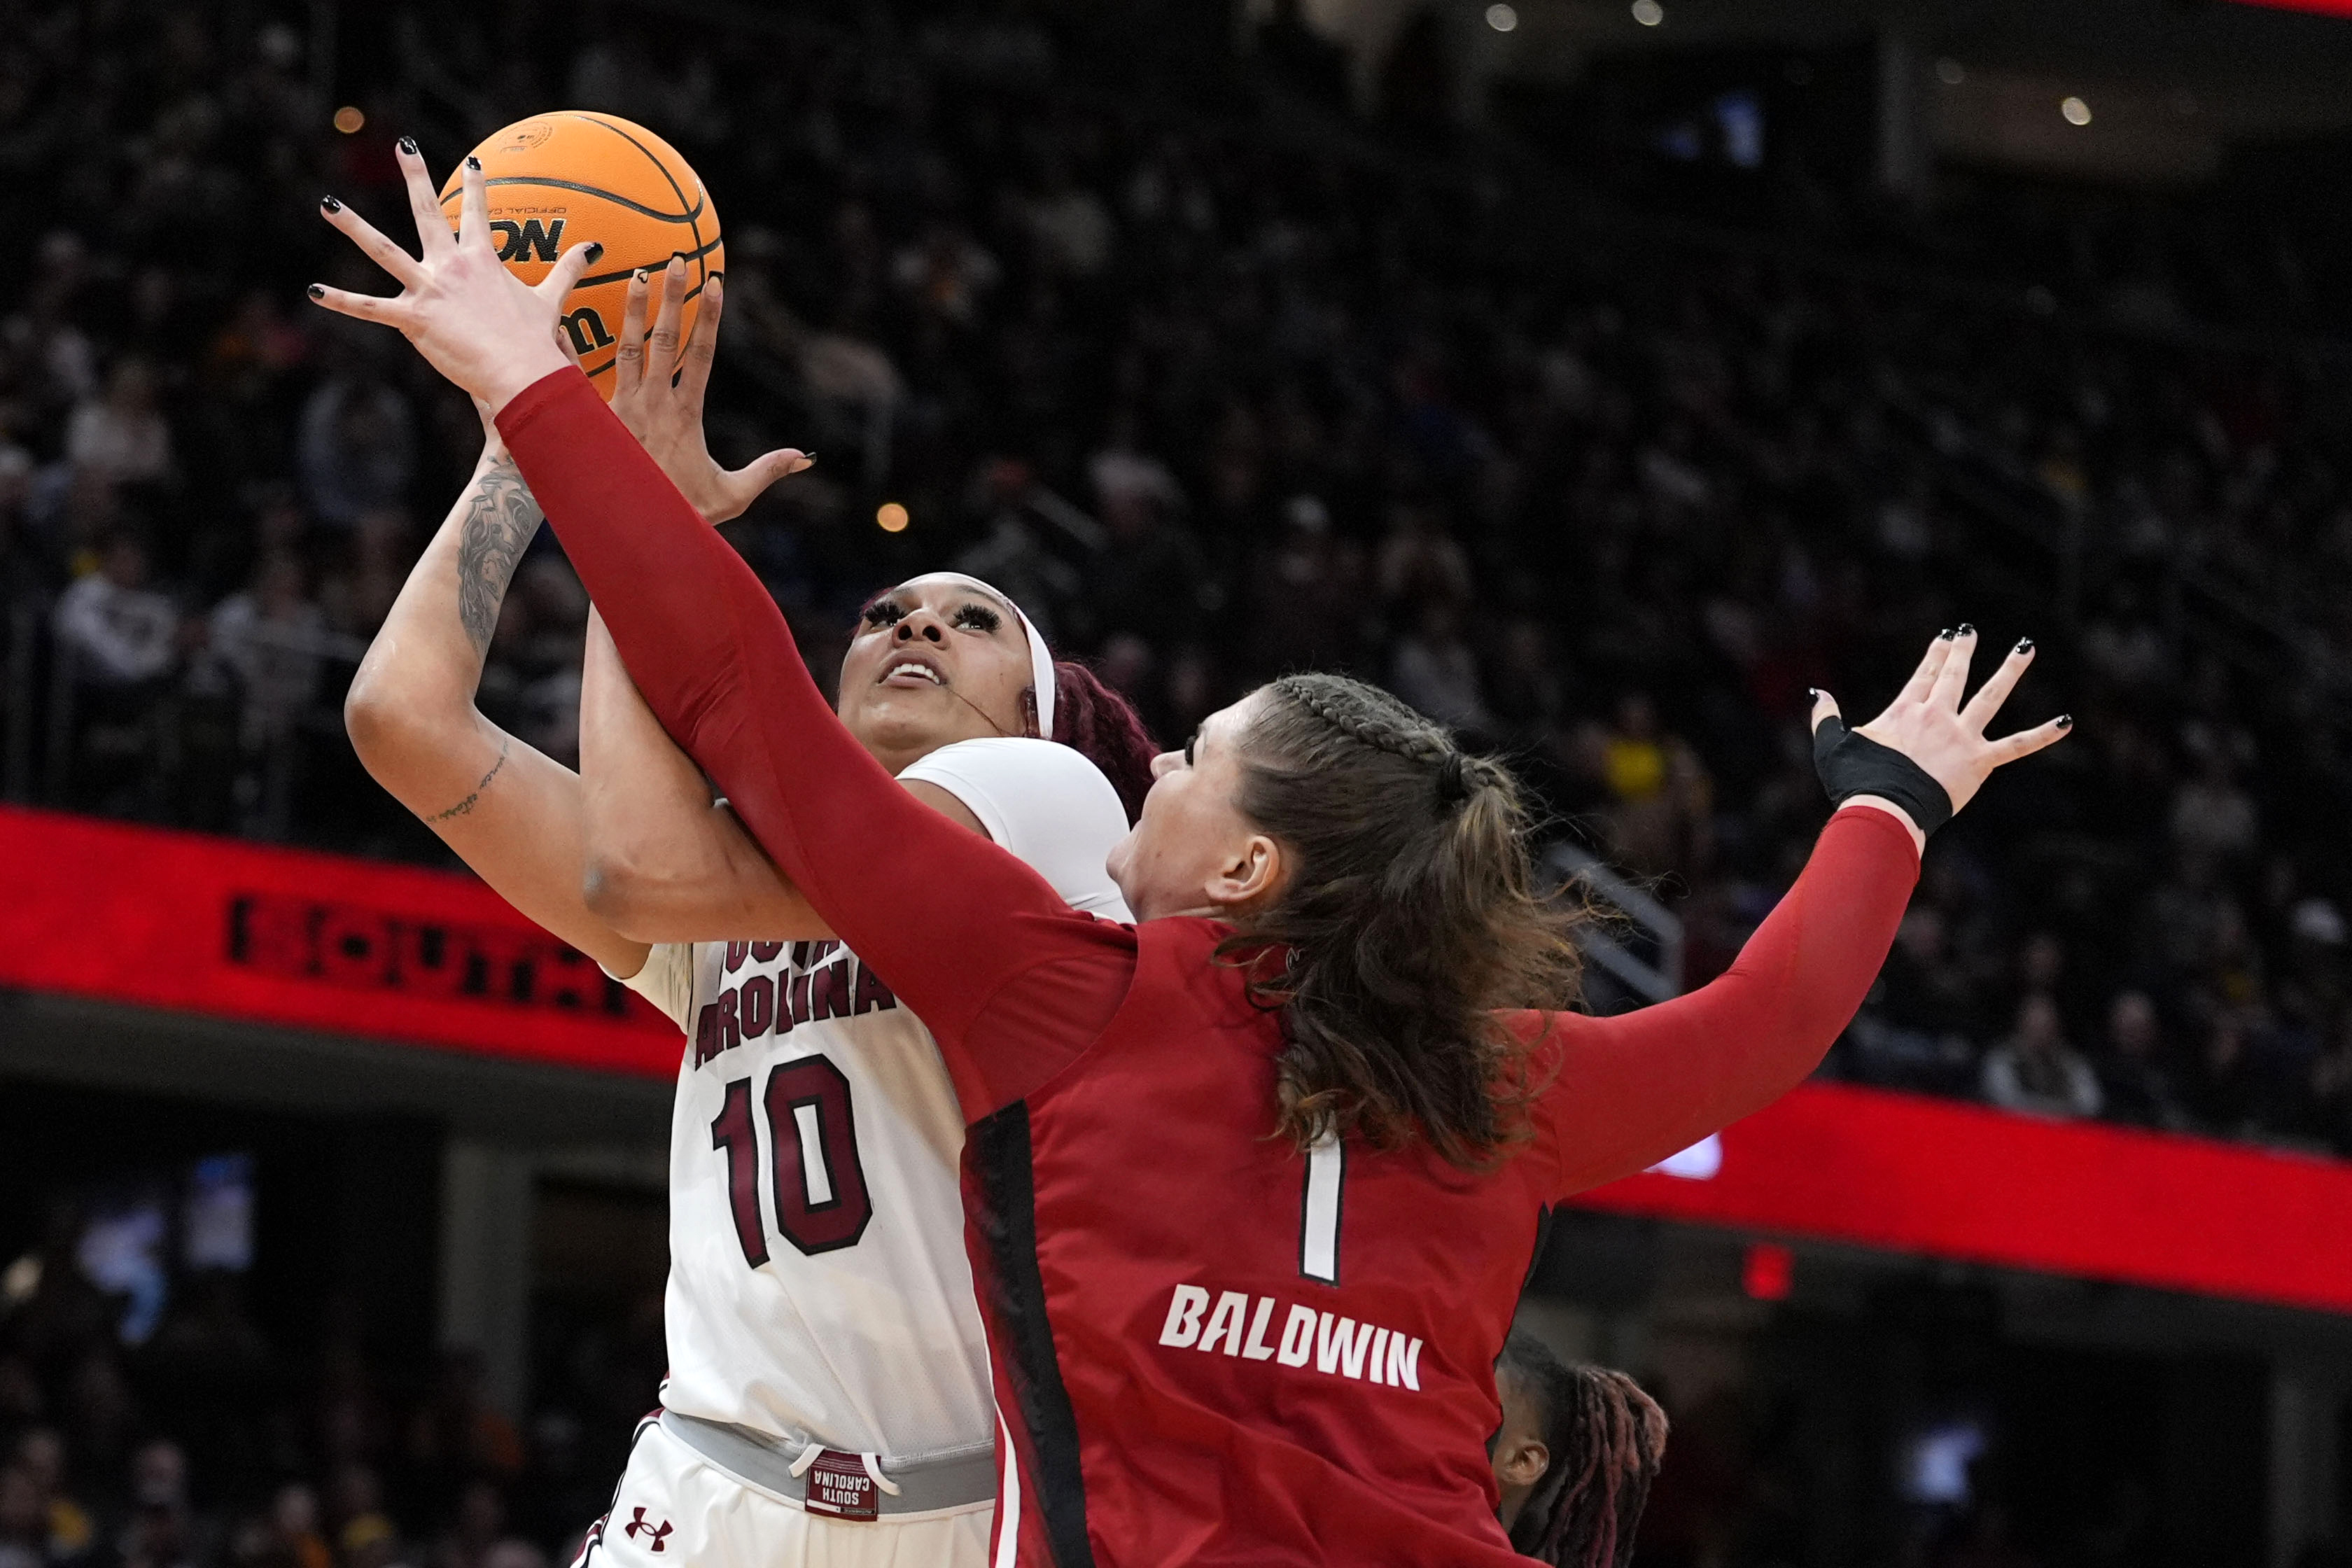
<point x="565" y="178"/>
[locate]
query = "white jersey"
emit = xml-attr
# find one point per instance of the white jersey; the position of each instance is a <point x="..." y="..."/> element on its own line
<point x="818" y="1284"/>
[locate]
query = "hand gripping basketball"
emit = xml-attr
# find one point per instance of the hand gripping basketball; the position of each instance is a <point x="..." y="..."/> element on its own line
<point x="665" y="412"/>
<point x="1942" y="737"/>
<point x="471" y="319"/>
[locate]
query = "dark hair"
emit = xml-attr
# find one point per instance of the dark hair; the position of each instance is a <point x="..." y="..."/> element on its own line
<point x="1411" y="917"/>
<point x="1606" y="1438"/>
<point x="1096" y="720"/>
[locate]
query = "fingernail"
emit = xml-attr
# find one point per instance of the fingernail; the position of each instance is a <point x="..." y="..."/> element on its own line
<point x="331" y="204"/>
<point x="1945" y="635"/>
<point x="1967" y="630"/>
<point x="2025" y="645"/>
<point x="595" y="249"/>
<point x="641" y="276"/>
<point x="808" y="456"/>
<point x="1814" y="692"/>
<point x="317" y="290"/>
<point x="472" y="162"/>
<point x="408" y="145"/>
<point x="2066" y="720"/>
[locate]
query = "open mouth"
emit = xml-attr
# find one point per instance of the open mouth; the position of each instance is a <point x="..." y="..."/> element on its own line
<point x="910" y="670"/>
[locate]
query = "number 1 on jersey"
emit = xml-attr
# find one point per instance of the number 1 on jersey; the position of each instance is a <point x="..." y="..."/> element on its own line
<point x="813" y="1172"/>
<point x="1318" y="1217"/>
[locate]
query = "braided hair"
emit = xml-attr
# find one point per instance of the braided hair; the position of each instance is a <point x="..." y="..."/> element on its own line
<point x="1096" y="720"/>
<point x="1606" y="1438"/>
<point x="1411" y="918"/>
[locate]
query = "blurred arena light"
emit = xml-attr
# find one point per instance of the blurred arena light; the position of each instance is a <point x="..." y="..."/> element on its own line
<point x="348" y="119"/>
<point x="2076" y="111"/>
<point x="891" y="517"/>
<point x="1502" y="18"/>
<point x="1768" y="1271"/>
<point x="1649" y="13"/>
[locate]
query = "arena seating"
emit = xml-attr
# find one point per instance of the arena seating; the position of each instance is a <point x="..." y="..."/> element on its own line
<point x="1220" y="382"/>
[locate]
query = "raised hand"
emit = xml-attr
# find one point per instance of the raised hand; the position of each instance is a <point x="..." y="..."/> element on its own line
<point x="473" y="320"/>
<point x="664" y="411"/>
<point x="1928" y="723"/>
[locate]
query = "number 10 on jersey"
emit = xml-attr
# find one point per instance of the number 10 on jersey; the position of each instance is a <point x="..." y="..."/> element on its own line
<point x="813" y="1173"/>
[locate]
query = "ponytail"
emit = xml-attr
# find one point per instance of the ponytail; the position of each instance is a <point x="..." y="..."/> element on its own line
<point x="1409" y="922"/>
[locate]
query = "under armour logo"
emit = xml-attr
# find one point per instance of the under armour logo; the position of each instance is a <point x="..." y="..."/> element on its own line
<point x="654" y="1532"/>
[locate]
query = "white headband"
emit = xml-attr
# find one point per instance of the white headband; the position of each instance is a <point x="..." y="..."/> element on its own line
<point x="1041" y="657"/>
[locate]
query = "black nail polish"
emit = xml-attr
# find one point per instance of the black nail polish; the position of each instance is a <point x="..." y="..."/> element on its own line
<point x="331" y="204"/>
<point x="472" y="162"/>
<point x="2066" y="720"/>
<point x="1814" y="692"/>
<point x="595" y="249"/>
<point x="2025" y="645"/>
<point x="1944" y="635"/>
<point x="641" y="276"/>
<point x="317" y="290"/>
<point x="1967" y="630"/>
<point x="408" y="145"/>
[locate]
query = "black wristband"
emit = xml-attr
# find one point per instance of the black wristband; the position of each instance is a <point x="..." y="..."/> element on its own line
<point x="1851" y="765"/>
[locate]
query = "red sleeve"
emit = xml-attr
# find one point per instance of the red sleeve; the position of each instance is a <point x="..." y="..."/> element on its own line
<point x="1011" y="982"/>
<point x="1633" y="1088"/>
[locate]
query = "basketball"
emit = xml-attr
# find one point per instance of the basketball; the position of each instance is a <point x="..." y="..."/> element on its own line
<point x="569" y="177"/>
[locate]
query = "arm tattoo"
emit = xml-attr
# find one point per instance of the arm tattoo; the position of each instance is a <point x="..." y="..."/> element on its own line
<point x="505" y="743"/>
<point x="500" y="517"/>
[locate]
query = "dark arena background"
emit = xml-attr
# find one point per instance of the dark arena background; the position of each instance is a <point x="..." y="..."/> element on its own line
<point x="1597" y="376"/>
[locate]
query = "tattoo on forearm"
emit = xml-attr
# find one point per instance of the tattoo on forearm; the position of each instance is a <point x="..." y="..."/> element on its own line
<point x="500" y="517"/>
<point x="467" y="804"/>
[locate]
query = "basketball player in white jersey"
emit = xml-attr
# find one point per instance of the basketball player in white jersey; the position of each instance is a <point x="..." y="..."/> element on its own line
<point x="828" y="1400"/>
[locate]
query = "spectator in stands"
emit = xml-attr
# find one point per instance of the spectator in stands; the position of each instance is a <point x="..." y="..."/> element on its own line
<point x="2036" y="1070"/>
<point x="358" y="446"/>
<point x="2134" y="1085"/>
<point x="161" y="1531"/>
<point x="24" y="1533"/>
<point x="122" y="632"/>
<point x="69" y="1530"/>
<point x="2222" y="1089"/>
<point x="1436" y="673"/>
<point x="123" y="435"/>
<point x="119" y="641"/>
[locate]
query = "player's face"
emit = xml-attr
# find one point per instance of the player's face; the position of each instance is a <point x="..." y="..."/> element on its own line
<point x="1193" y="851"/>
<point x="1520" y="1457"/>
<point x="934" y="661"/>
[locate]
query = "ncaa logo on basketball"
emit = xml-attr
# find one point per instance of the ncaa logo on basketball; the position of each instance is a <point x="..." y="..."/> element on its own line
<point x="527" y="241"/>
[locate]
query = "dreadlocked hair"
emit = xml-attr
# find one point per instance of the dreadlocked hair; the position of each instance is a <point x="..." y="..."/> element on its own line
<point x="1098" y="720"/>
<point x="1410" y="919"/>
<point x="1606" y="1438"/>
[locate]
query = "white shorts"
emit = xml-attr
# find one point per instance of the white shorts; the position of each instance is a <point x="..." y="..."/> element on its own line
<point x="674" y="1509"/>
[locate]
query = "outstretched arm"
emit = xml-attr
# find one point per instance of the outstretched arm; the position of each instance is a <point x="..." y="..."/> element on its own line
<point x="666" y="862"/>
<point x="511" y="813"/>
<point x="1633" y="1088"/>
<point x="1012" y="983"/>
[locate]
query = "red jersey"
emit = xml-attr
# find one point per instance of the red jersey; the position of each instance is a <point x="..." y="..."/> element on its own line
<point x="1208" y="1347"/>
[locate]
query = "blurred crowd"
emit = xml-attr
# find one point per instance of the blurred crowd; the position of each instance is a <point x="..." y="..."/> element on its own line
<point x="1218" y="391"/>
<point x="208" y="1443"/>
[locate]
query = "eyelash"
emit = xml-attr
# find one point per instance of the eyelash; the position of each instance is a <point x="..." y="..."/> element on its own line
<point x="975" y="617"/>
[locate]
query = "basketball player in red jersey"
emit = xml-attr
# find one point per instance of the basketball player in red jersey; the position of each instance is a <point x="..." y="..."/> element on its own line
<point x="1250" y="1186"/>
<point x="829" y="1399"/>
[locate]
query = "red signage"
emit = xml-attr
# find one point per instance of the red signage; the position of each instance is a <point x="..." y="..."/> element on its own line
<point x="2324" y="7"/>
<point x="1945" y="1180"/>
<point x="282" y="936"/>
<point x="321" y="941"/>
